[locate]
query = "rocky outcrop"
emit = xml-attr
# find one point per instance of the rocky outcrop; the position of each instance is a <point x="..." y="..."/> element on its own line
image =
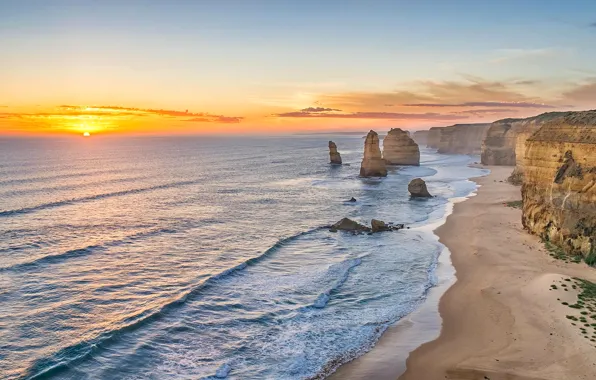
<point x="421" y="137"/>
<point x="373" y="164"/>
<point x="505" y="139"/>
<point x="400" y="149"/>
<point x="559" y="183"/>
<point x="349" y="225"/>
<point x="462" y="138"/>
<point x="417" y="188"/>
<point x="434" y="137"/>
<point x="334" y="156"/>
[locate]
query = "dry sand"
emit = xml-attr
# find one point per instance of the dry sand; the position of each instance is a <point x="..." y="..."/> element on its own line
<point x="501" y="319"/>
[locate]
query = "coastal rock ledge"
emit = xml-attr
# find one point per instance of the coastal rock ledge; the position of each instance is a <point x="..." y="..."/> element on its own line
<point x="373" y="164"/>
<point x="417" y="188"/>
<point x="400" y="149"/>
<point x="559" y="183"/>
<point x="334" y="156"/>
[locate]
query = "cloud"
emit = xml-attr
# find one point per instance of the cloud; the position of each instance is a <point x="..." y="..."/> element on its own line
<point x="117" y="112"/>
<point x="487" y="111"/>
<point x="319" y="109"/>
<point x="482" y="104"/>
<point x="506" y="55"/>
<point x="216" y="119"/>
<point x="593" y="25"/>
<point x="583" y="93"/>
<point x="372" y="115"/>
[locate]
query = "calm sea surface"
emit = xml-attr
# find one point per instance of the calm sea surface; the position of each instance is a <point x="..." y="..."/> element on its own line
<point x="204" y="258"/>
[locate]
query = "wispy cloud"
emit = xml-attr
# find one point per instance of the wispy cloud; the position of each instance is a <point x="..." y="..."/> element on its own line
<point x="482" y="104"/>
<point x="506" y="55"/>
<point x="319" y="109"/>
<point x="372" y="115"/>
<point x="115" y="112"/>
<point x="487" y="111"/>
<point x="593" y="25"/>
<point x="216" y="119"/>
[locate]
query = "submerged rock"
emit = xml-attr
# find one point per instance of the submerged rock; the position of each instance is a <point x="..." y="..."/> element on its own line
<point x="400" y="149"/>
<point x="334" y="156"/>
<point x="349" y="225"/>
<point x="379" y="225"/>
<point x="417" y="188"/>
<point x="373" y="164"/>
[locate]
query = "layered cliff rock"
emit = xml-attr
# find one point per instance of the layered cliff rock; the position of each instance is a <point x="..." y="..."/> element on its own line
<point x="505" y="139"/>
<point x="462" y="138"/>
<point x="400" y="149"/>
<point x="559" y="185"/>
<point x="334" y="156"/>
<point x="373" y="164"/>
<point x="421" y="137"/>
<point x="434" y="137"/>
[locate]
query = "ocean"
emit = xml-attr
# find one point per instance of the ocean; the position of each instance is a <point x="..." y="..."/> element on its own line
<point x="207" y="257"/>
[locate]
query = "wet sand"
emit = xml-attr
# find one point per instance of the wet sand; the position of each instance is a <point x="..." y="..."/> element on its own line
<point x="501" y="319"/>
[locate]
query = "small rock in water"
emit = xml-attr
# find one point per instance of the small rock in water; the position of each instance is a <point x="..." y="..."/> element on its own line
<point x="223" y="371"/>
<point x="352" y="199"/>
<point x="348" y="225"/>
<point x="379" y="225"/>
<point x="417" y="188"/>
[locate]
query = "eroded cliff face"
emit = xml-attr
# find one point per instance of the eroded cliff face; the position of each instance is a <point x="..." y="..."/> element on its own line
<point x="420" y="137"/>
<point x="559" y="183"/>
<point x="505" y="139"/>
<point x="462" y="138"/>
<point x="372" y="164"/>
<point x="400" y="149"/>
<point x="434" y="137"/>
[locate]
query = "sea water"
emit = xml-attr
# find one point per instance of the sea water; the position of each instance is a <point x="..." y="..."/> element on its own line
<point x="206" y="257"/>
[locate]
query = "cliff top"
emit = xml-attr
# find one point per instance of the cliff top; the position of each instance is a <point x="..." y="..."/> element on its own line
<point x="538" y="118"/>
<point x="577" y="127"/>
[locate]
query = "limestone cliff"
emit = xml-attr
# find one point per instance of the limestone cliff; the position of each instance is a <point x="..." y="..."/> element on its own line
<point x="434" y="137"/>
<point x="559" y="184"/>
<point x="421" y="137"/>
<point x="505" y="139"/>
<point x="462" y="138"/>
<point x="400" y="149"/>
<point x="334" y="156"/>
<point x="373" y="164"/>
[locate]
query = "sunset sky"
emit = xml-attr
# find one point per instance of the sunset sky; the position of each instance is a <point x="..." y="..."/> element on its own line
<point x="275" y="66"/>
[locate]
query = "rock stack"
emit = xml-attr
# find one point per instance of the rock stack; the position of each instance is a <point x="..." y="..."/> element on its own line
<point x="334" y="156"/>
<point x="400" y="149"/>
<point x="417" y="188"/>
<point x="373" y="164"/>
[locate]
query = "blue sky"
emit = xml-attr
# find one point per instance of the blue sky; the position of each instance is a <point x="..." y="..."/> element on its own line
<point x="255" y="58"/>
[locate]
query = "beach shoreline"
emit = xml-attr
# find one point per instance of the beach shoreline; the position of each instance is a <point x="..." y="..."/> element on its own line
<point x="501" y="319"/>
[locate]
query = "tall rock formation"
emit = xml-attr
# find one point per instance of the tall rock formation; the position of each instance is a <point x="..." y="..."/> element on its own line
<point x="421" y="137"/>
<point x="559" y="184"/>
<point x="434" y="137"/>
<point x="373" y="164"/>
<point x="505" y="141"/>
<point x="462" y="138"/>
<point x="334" y="156"/>
<point x="400" y="149"/>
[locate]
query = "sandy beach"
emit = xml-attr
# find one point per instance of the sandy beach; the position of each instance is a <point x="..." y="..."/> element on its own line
<point x="501" y="319"/>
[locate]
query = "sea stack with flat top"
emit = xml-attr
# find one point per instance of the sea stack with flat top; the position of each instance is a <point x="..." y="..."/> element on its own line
<point x="400" y="149"/>
<point x="373" y="164"/>
<point x="334" y="156"/>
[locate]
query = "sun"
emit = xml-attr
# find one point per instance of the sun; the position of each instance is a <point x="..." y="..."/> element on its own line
<point x="86" y="134"/>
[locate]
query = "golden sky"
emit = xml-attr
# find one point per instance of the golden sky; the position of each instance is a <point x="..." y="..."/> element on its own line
<point x="275" y="67"/>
